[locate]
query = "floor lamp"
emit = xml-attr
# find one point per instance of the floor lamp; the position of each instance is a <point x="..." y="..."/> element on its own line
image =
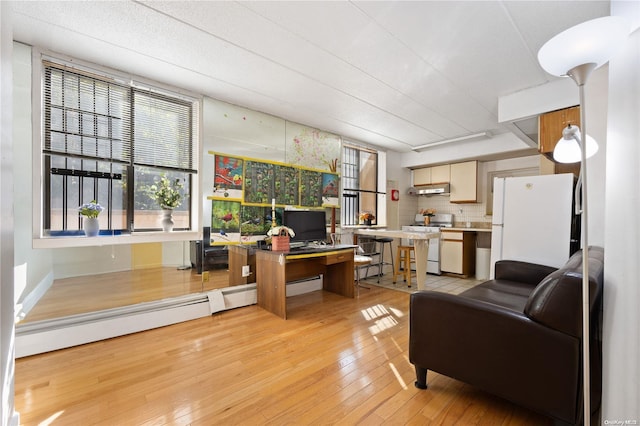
<point x="575" y="53"/>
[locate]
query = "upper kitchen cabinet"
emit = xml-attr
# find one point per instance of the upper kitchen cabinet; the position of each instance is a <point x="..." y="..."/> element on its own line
<point x="422" y="176"/>
<point x="550" y="129"/>
<point x="440" y="174"/>
<point x="464" y="182"/>
<point x="431" y="175"/>
<point x="551" y="125"/>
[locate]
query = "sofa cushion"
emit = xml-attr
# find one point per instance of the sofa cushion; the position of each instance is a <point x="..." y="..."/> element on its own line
<point x="557" y="301"/>
<point x="522" y="272"/>
<point x="508" y="294"/>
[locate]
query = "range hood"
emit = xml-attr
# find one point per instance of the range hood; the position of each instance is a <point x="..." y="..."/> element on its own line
<point x="435" y="189"/>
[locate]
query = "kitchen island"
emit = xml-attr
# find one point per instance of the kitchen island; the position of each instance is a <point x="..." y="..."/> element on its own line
<point x="420" y="245"/>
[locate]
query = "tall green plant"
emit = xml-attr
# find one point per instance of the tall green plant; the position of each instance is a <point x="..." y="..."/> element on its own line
<point x="167" y="193"/>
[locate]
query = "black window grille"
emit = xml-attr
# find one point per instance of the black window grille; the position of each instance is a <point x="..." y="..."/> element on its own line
<point x="359" y="183"/>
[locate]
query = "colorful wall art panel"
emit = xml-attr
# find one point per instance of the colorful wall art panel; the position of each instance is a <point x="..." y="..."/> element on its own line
<point x="286" y="185"/>
<point x="225" y="221"/>
<point x="255" y="222"/>
<point x="330" y="189"/>
<point x="246" y="189"/>
<point x="310" y="188"/>
<point x="228" y="179"/>
<point x="258" y="184"/>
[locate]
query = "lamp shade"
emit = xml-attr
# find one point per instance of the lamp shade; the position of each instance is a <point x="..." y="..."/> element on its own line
<point x="594" y="41"/>
<point x="567" y="149"/>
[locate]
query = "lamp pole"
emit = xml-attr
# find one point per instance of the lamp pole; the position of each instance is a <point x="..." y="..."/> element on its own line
<point x="580" y="74"/>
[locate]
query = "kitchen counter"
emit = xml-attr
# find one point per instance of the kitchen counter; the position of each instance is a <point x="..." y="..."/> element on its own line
<point x="420" y="244"/>
<point x="468" y="229"/>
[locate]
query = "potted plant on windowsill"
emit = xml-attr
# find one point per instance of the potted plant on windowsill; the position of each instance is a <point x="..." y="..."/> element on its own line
<point x="168" y="194"/>
<point x="366" y="218"/>
<point x="90" y="211"/>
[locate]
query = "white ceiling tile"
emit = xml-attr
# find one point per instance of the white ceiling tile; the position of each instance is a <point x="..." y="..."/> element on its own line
<point x="395" y="74"/>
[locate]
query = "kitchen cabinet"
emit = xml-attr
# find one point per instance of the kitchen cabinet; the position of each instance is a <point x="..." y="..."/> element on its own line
<point x="464" y="182"/>
<point x="550" y="129"/>
<point x="458" y="252"/>
<point x="551" y="125"/>
<point x="430" y="175"/>
<point x="422" y="176"/>
<point x="440" y="174"/>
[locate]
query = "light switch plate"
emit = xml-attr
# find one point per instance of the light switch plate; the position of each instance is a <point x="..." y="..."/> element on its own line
<point x="246" y="271"/>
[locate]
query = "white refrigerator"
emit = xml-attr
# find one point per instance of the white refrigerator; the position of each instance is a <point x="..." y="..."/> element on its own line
<point x="532" y="218"/>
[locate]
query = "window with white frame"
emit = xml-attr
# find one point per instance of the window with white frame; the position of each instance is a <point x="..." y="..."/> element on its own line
<point x="109" y="141"/>
<point x="359" y="183"/>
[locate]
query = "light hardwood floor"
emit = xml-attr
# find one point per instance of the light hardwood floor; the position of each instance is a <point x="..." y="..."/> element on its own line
<point x="334" y="361"/>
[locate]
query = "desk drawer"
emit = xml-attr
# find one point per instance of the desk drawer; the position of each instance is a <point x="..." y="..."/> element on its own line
<point x="336" y="258"/>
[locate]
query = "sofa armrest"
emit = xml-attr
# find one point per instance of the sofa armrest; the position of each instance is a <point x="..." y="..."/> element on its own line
<point x="496" y="349"/>
<point x="524" y="272"/>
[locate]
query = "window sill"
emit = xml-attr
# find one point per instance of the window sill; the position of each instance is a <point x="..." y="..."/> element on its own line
<point x="107" y="240"/>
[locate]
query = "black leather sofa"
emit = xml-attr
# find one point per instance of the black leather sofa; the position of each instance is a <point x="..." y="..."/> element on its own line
<point x="518" y="336"/>
<point x="205" y="257"/>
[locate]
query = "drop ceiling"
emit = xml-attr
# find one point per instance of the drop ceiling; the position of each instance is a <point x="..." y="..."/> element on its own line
<point x="392" y="74"/>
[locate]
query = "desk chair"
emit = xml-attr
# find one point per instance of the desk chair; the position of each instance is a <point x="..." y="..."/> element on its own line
<point x="367" y="246"/>
<point x="403" y="263"/>
<point x="361" y="261"/>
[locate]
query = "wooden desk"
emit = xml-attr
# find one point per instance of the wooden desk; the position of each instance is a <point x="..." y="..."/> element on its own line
<point x="420" y="244"/>
<point x="239" y="256"/>
<point x="275" y="268"/>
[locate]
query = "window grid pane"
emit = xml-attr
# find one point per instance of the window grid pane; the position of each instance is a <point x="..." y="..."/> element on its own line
<point x="148" y="213"/>
<point x="162" y="131"/>
<point x="78" y="116"/>
<point x="359" y="182"/>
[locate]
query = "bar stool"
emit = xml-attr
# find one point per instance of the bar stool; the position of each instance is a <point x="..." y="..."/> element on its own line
<point x="403" y="262"/>
<point x="360" y="261"/>
<point x="382" y="241"/>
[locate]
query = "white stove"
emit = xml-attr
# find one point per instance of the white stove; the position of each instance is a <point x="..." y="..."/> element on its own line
<point x="438" y="221"/>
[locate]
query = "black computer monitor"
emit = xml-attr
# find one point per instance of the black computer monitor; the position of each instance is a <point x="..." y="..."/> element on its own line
<point x="309" y="225"/>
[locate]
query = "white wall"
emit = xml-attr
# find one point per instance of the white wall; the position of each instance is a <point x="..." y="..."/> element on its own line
<point x="621" y="334"/>
<point x="7" y="326"/>
<point x="596" y="105"/>
<point x="38" y="263"/>
<point x="405" y="208"/>
<point x="79" y="261"/>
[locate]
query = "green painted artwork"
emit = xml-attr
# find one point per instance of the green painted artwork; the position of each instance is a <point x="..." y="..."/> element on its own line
<point x="310" y="188"/>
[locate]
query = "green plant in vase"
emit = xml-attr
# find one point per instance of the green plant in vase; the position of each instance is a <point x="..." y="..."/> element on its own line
<point x="168" y="194"/>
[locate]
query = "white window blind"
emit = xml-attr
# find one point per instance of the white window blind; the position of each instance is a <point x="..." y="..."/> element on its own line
<point x="162" y="131"/>
<point x="87" y="117"/>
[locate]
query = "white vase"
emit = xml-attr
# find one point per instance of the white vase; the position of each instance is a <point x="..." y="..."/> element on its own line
<point x="167" y="220"/>
<point x="91" y="226"/>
